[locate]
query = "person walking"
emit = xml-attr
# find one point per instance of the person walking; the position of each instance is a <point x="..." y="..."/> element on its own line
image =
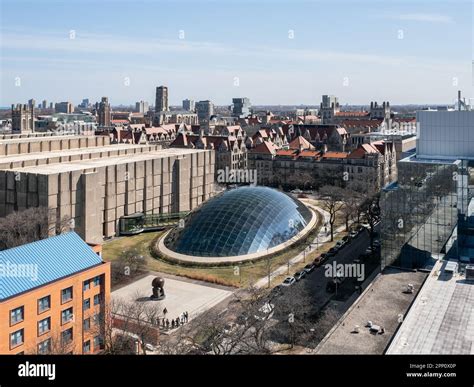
<point x="165" y="311"/>
<point x="172" y="324"/>
<point x="177" y="321"/>
<point x="167" y="324"/>
<point x="186" y="316"/>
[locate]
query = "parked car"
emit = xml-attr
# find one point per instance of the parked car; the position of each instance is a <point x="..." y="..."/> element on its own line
<point x="288" y="281"/>
<point x="376" y="243"/>
<point x="331" y="253"/>
<point x="309" y="268"/>
<point x="318" y="260"/>
<point x="346" y="238"/>
<point x="299" y="275"/>
<point x="353" y="234"/>
<point x="333" y="250"/>
<point x="340" y="244"/>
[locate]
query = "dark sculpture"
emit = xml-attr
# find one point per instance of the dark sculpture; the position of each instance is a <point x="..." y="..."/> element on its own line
<point x="158" y="284"/>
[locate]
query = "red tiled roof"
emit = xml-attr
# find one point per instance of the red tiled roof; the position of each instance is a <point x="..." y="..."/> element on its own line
<point x="362" y="123"/>
<point x="352" y="114"/>
<point x="363" y="150"/>
<point x="300" y="143"/>
<point x="265" y="147"/>
<point x="286" y="152"/>
<point x="334" y="155"/>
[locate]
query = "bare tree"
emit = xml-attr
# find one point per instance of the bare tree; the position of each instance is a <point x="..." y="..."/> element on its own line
<point x="332" y="203"/>
<point x="351" y="208"/>
<point x="125" y="322"/>
<point x="371" y="212"/>
<point x="30" y="225"/>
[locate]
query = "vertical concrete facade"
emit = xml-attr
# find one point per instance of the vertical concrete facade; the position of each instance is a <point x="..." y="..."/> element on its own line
<point x="96" y="192"/>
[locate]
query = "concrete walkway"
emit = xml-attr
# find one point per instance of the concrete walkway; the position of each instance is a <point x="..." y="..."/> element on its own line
<point x="322" y="237"/>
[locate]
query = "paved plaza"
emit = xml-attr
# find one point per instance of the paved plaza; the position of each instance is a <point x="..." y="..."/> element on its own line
<point x="181" y="295"/>
<point x="441" y="320"/>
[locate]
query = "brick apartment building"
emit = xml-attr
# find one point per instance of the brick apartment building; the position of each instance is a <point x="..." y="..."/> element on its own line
<point x="53" y="296"/>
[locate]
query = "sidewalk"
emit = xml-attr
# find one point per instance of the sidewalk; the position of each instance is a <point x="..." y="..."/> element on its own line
<point x="322" y="237"/>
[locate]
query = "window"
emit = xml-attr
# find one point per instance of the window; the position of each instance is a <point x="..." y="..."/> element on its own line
<point x="44" y="326"/>
<point x="86" y="324"/>
<point x="44" y="347"/>
<point x="97" y="299"/>
<point x="16" y="338"/>
<point x="44" y="304"/>
<point x="86" y="348"/>
<point x="87" y="285"/>
<point x="66" y="336"/>
<point x="86" y="304"/>
<point x="97" y="343"/>
<point x="97" y="280"/>
<point x="97" y="318"/>
<point x="17" y="315"/>
<point x="66" y="315"/>
<point x="66" y="295"/>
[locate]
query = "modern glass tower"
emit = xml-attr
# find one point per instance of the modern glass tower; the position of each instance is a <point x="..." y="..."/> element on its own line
<point x="430" y="209"/>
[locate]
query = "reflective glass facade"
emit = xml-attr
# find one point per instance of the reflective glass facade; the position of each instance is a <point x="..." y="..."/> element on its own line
<point x="241" y="221"/>
<point x="427" y="212"/>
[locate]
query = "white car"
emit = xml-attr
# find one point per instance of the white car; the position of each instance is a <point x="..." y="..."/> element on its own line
<point x="288" y="281"/>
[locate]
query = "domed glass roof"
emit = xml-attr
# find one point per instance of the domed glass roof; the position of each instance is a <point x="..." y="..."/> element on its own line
<point x="240" y="221"/>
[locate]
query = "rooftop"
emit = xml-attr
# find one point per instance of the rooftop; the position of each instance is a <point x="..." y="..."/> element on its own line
<point x="382" y="302"/>
<point x="67" y="152"/>
<point x="35" y="264"/>
<point x="104" y="162"/>
<point x="441" y="320"/>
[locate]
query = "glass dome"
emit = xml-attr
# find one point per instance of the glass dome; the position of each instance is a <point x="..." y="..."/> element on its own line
<point x="240" y="221"/>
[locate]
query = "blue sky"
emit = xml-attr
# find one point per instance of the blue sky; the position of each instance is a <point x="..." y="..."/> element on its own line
<point x="274" y="52"/>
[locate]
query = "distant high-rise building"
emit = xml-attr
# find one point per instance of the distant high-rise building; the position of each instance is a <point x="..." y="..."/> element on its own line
<point x="141" y="107"/>
<point x="44" y="104"/>
<point x="63" y="107"/>
<point x="328" y="108"/>
<point x="104" y="112"/>
<point x="204" y="110"/>
<point x="51" y="105"/>
<point x="31" y="103"/>
<point x="22" y="118"/>
<point x="85" y="103"/>
<point x="161" y="101"/>
<point x="189" y="105"/>
<point x="241" y="107"/>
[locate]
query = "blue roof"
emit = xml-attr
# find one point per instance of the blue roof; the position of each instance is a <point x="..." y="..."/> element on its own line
<point x="35" y="264"/>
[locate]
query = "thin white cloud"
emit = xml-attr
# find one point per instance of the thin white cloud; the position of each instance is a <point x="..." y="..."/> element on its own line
<point x="424" y="17"/>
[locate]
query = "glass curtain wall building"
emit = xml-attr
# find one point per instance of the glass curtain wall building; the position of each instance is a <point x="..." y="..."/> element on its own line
<point x="430" y="209"/>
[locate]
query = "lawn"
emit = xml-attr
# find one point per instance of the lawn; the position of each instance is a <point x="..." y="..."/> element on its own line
<point x="243" y="276"/>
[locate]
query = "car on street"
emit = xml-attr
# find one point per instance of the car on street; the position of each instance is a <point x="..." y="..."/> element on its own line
<point x="340" y="244"/>
<point x="299" y="275"/>
<point x="330" y="253"/>
<point x="309" y="268"/>
<point x="318" y="260"/>
<point x="288" y="281"/>
<point x="353" y="234"/>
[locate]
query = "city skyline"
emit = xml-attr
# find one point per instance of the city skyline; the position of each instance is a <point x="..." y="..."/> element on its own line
<point x="360" y="52"/>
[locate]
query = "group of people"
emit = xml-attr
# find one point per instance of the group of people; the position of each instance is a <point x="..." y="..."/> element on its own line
<point x="174" y="323"/>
